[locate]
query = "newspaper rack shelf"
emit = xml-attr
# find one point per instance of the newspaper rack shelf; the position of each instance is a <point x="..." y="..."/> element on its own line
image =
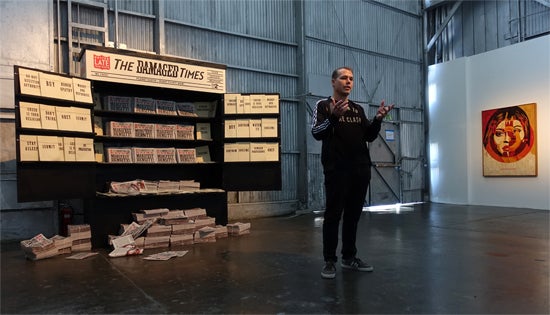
<point x="122" y="104"/>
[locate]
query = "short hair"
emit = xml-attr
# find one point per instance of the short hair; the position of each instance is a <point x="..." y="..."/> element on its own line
<point x="337" y="70"/>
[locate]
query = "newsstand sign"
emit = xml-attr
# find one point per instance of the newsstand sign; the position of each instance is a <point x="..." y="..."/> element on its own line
<point x="140" y="70"/>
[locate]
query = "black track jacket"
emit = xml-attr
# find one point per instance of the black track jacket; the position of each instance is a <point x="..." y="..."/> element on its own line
<point x="344" y="138"/>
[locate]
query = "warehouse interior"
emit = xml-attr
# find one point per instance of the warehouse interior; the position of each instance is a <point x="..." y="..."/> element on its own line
<point x="443" y="236"/>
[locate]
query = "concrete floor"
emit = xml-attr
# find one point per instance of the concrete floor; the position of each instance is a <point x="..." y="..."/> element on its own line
<point x="433" y="259"/>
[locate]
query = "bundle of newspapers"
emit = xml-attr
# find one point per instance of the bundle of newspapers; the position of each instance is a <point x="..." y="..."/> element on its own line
<point x="40" y="247"/>
<point x="140" y="186"/>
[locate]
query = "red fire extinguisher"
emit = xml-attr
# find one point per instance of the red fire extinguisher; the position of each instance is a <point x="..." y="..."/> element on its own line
<point x="65" y="218"/>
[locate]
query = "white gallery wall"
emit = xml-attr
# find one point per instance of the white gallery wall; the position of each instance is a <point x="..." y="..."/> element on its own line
<point x="458" y="91"/>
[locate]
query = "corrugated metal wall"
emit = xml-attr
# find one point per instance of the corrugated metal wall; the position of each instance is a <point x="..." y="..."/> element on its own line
<point x="267" y="49"/>
<point x="480" y="26"/>
<point x="256" y="40"/>
<point x="380" y="40"/>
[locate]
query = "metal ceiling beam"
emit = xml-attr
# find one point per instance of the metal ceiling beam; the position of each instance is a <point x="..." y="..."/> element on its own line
<point x="443" y="25"/>
<point x="545" y="3"/>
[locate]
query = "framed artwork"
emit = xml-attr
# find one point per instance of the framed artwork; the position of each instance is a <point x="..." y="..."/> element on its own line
<point x="509" y="141"/>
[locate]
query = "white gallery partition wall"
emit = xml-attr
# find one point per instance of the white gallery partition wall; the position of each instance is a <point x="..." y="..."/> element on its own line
<point x="458" y="92"/>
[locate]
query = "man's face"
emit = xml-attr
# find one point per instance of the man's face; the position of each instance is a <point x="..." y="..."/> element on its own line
<point x="343" y="84"/>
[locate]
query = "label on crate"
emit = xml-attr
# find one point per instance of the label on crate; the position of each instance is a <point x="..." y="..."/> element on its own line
<point x="69" y="148"/>
<point x="271" y="105"/>
<point x="243" y="128"/>
<point x="84" y="149"/>
<point x="243" y="152"/>
<point x="255" y="128"/>
<point x="82" y="119"/>
<point x="48" y="118"/>
<point x="257" y="152"/>
<point x="48" y="149"/>
<point x="257" y="103"/>
<point x="269" y="127"/>
<point x="30" y="115"/>
<point x="230" y="152"/>
<point x="56" y="86"/>
<point x="272" y="151"/>
<point x="230" y="103"/>
<point x="65" y="118"/>
<point x="82" y="91"/>
<point x="230" y="128"/>
<point x="29" y="82"/>
<point x="28" y="148"/>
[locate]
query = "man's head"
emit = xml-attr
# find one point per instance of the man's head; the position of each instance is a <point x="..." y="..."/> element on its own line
<point x="342" y="82"/>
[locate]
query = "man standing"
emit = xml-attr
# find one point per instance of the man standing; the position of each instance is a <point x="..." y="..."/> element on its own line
<point x="345" y="130"/>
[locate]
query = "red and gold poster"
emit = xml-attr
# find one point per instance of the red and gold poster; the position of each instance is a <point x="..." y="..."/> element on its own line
<point x="509" y="141"/>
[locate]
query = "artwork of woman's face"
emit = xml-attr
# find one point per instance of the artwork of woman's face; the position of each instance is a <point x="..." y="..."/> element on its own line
<point x="508" y="136"/>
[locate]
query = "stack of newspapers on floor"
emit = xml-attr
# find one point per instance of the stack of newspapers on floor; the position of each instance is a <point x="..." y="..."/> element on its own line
<point x="40" y="247"/>
<point x="165" y="228"/>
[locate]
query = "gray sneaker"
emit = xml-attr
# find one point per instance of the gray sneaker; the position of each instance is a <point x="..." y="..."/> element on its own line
<point x="356" y="264"/>
<point x="329" y="270"/>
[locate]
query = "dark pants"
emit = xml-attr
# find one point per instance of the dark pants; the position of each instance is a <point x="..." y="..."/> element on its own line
<point x="345" y="194"/>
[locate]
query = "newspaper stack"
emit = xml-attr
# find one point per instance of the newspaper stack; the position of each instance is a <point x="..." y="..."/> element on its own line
<point x="202" y="222"/>
<point x="181" y="239"/>
<point x="157" y="230"/>
<point x="189" y="185"/>
<point x="168" y="186"/>
<point x="157" y="242"/>
<point x="173" y="217"/>
<point x="195" y="213"/>
<point x="127" y="188"/>
<point x="239" y="228"/>
<point x="185" y="132"/>
<point x="183" y="228"/>
<point x="221" y="231"/>
<point x="151" y="186"/>
<point x="39" y="247"/>
<point x="63" y="244"/>
<point x="155" y="214"/>
<point x="80" y="235"/>
<point x="206" y="234"/>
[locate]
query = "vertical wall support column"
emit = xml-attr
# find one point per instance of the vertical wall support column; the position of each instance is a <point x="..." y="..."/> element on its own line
<point x="302" y="112"/>
<point x="159" y="36"/>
